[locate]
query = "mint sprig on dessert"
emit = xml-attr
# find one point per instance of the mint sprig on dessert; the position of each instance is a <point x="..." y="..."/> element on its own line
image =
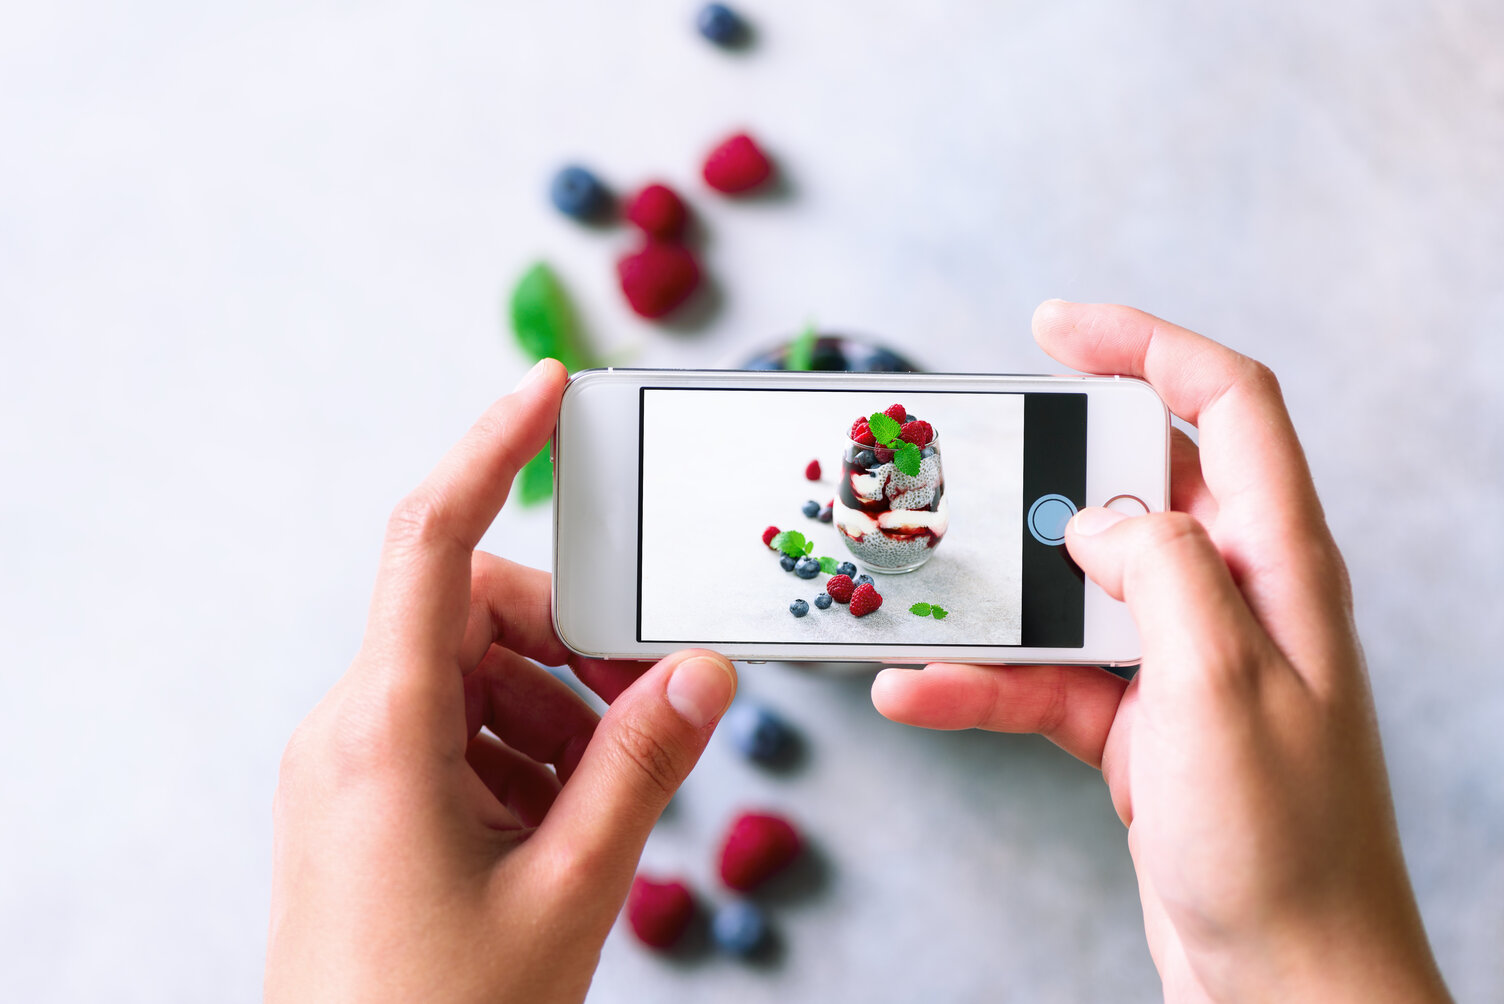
<point x="885" y="430"/>
<point x="934" y="610"/>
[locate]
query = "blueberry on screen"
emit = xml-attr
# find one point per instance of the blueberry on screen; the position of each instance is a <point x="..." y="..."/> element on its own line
<point x="823" y="601"/>
<point x="860" y="579"/>
<point x="787" y="562"/>
<point x="798" y="608"/>
<point x="720" y="24"/>
<point x="807" y="568"/>
<point x="811" y="509"/>
<point x="847" y="569"/>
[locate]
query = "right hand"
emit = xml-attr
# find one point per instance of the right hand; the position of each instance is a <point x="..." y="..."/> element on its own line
<point x="1244" y="757"/>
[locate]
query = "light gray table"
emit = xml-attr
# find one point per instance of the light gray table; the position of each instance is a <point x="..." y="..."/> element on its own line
<point x="251" y="263"/>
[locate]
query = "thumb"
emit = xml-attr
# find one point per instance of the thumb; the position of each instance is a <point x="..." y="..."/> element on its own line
<point x="1191" y="617"/>
<point x="642" y="750"/>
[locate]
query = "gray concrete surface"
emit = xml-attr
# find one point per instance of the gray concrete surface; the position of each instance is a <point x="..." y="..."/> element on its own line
<point x="251" y="260"/>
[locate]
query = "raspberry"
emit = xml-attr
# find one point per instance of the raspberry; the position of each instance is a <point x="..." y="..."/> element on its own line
<point x="919" y="432"/>
<point x="861" y="433"/>
<point x="768" y="535"/>
<point x="659" y="211"/>
<point x="812" y="472"/>
<point x="758" y="846"/>
<point x="839" y="587"/>
<point x="897" y="413"/>
<point x="657" y="278"/>
<point x="864" y="600"/>
<point x="736" y="165"/>
<point x="659" y="912"/>
<point x="883" y="454"/>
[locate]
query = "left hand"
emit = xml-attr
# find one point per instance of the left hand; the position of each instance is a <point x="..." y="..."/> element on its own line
<point x="418" y="857"/>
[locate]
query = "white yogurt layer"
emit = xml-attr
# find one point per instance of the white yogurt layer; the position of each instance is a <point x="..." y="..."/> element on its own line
<point x="910" y="521"/>
<point x="869" y="487"/>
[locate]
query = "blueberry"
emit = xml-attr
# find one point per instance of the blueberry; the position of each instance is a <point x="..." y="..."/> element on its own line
<point x="578" y="193"/>
<point x="811" y="508"/>
<point x="756" y="731"/>
<point x="928" y="451"/>
<point x="847" y="569"/>
<point x="909" y="418"/>
<point x="823" y="601"/>
<point x="807" y="568"/>
<point x="827" y="514"/>
<point x="865" y="578"/>
<point x="720" y="24"/>
<point x="787" y="561"/>
<point x="739" y="927"/>
<point x="866" y="458"/>
<point x="798" y="608"/>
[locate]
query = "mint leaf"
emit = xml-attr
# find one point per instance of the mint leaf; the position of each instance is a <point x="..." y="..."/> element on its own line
<point x="801" y="353"/>
<point x="907" y="459"/>
<point x="884" y="429"/>
<point x="535" y="482"/>
<point x="939" y="612"/>
<point x="828" y="566"/>
<point x="920" y="610"/>
<point x="809" y="546"/>
<point x="790" y="542"/>
<point x="543" y="320"/>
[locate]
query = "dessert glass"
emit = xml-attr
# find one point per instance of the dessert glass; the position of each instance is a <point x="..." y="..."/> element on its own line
<point x="889" y="521"/>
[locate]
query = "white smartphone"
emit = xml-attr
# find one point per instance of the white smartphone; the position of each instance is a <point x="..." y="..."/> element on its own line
<point x="722" y="509"/>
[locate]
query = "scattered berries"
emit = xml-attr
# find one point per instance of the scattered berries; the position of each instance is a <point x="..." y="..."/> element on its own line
<point x="847" y="569"/>
<point x="897" y="413"/>
<point x="862" y="433"/>
<point x="787" y="561"/>
<point x="812" y="471"/>
<point x="659" y="211"/>
<point x="823" y="601"/>
<point x="806" y="568"/>
<point x="917" y="432"/>
<point x="864" y="580"/>
<point x="659" y="912"/>
<point x="864" y="600"/>
<point x="840" y="587"/>
<point x="768" y="535"/>
<point x="758" y="846"/>
<point x="740" y="928"/>
<point x="756" y="731"/>
<point x="578" y="193"/>
<point x="657" y="278"/>
<point x="799" y="608"/>
<point x="811" y="508"/>
<point x="737" y="165"/>
<point x="827" y="512"/>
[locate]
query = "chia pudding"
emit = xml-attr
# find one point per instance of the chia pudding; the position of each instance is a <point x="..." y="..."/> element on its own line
<point x="890" y="520"/>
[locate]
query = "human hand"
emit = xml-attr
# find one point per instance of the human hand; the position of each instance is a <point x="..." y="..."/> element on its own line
<point x="420" y="857"/>
<point x="1244" y="757"/>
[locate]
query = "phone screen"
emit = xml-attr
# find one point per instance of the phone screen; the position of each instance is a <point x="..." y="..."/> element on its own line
<point x="950" y="506"/>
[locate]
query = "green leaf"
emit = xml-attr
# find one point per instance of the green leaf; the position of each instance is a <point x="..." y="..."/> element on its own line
<point x="907" y="459"/>
<point x="809" y="546"/>
<point x="790" y="542"/>
<point x="939" y="612"/>
<point x="829" y="566"/>
<point x="543" y="320"/>
<point x="801" y="354"/>
<point x="535" y="482"/>
<point x="884" y="429"/>
<point x="920" y="610"/>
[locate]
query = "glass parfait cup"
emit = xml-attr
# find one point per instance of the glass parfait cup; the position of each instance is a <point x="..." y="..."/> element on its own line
<point x="891" y="522"/>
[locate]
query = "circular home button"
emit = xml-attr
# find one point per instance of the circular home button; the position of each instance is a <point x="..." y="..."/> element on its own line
<point x="1047" y="518"/>
<point x="1128" y="505"/>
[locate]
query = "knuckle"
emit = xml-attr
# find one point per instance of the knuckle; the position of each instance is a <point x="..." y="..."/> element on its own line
<point x="1259" y="378"/>
<point x="1167" y="530"/>
<point x="648" y="756"/>
<point x="417" y="519"/>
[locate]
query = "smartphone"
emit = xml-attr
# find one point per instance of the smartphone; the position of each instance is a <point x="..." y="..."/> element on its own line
<point x="721" y="509"/>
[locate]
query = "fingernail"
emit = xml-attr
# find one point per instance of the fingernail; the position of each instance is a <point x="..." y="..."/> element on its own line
<point x="701" y="688"/>
<point x="532" y="374"/>
<point x="1094" y="520"/>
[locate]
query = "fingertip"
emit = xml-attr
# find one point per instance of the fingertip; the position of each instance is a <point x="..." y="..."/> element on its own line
<point x="887" y="691"/>
<point x="1049" y="318"/>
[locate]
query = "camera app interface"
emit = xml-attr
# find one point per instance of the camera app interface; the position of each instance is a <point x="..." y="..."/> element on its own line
<point x="850" y="517"/>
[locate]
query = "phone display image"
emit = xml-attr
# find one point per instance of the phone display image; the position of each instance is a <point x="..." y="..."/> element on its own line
<point x="818" y="516"/>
